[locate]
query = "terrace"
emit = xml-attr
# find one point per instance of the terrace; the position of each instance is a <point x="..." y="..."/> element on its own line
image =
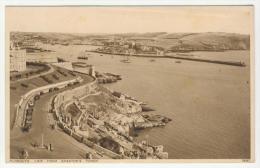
<point x="32" y="70"/>
<point x="21" y="87"/>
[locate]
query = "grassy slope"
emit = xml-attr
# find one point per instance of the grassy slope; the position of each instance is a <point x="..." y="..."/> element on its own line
<point x="202" y="41"/>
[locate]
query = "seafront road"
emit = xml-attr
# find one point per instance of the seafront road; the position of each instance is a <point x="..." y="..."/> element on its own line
<point x="65" y="147"/>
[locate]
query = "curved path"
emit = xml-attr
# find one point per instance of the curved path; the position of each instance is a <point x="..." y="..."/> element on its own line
<point x="65" y="147"/>
<point x="22" y="105"/>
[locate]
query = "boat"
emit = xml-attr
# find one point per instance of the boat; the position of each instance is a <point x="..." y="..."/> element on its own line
<point x="126" y="59"/>
<point x="83" y="57"/>
<point x="178" y="62"/>
<point x="61" y="59"/>
<point x="152" y="60"/>
<point x="80" y="64"/>
<point x="184" y="55"/>
<point x="146" y="108"/>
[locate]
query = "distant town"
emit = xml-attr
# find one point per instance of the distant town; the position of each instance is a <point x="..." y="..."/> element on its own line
<point x="161" y="44"/>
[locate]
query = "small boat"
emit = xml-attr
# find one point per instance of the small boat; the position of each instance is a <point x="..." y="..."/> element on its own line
<point x="83" y="57"/>
<point x="146" y="108"/>
<point x="152" y="60"/>
<point x="80" y="64"/>
<point x="178" y="62"/>
<point x="184" y="55"/>
<point x="126" y="60"/>
<point x="242" y="64"/>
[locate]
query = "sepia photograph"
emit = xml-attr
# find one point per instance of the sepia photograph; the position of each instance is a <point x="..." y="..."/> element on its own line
<point x="129" y="83"/>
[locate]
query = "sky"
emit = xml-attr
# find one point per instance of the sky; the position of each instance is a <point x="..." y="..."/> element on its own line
<point x="232" y="19"/>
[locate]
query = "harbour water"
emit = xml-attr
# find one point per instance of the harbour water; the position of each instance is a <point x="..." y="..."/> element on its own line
<point x="209" y="104"/>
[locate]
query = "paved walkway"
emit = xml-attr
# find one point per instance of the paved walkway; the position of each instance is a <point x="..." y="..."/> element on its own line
<point x="65" y="147"/>
<point x="19" y="121"/>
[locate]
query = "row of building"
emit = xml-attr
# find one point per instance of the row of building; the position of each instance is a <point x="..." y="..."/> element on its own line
<point x="19" y="57"/>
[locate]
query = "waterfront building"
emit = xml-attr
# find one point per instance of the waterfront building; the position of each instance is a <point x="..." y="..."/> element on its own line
<point x="17" y="59"/>
<point x="29" y="43"/>
<point x="159" y="52"/>
<point x="92" y="71"/>
<point x="146" y="48"/>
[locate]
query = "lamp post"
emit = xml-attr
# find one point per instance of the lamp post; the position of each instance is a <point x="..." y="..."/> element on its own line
<point x="42" y="144"/>
<point x="146" y="137"/>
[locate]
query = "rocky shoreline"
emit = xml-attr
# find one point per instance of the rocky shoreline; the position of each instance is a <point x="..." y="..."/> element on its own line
<point x="107" y="120"/>
<point x="104" y="78"/>
<point x="150" y="119"/>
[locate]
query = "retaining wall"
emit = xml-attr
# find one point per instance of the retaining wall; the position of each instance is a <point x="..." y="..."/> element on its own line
<point x="21" y="113"/>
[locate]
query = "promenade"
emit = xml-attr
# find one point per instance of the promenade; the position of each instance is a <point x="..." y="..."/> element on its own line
<point x="65" y="146"/>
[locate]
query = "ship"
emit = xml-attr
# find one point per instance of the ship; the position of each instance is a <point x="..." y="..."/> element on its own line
<point x="125" y="61"/>
<point x="82" y="55"/>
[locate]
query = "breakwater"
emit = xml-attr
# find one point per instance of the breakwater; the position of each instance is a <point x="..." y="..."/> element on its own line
<point x="231" y="63"/>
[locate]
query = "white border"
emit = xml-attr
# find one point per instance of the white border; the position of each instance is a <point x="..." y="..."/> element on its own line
<point x="4" y="3"/>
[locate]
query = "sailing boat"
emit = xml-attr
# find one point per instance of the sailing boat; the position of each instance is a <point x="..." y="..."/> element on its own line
<point x="126" y="59"/>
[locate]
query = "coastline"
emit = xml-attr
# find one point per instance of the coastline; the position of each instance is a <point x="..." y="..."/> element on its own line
<point x="150" y="121"/>
<point x="135" y="94"/>
<point x="124" y="107"/>
<point x="184" y="104"/>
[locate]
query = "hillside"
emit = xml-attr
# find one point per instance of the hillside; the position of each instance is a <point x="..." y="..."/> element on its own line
<point x="210" y="41"/>
<point x="198" y="41"/>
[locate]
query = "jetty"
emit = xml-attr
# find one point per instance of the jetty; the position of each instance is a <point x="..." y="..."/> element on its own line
<point x="232" y="63"/>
